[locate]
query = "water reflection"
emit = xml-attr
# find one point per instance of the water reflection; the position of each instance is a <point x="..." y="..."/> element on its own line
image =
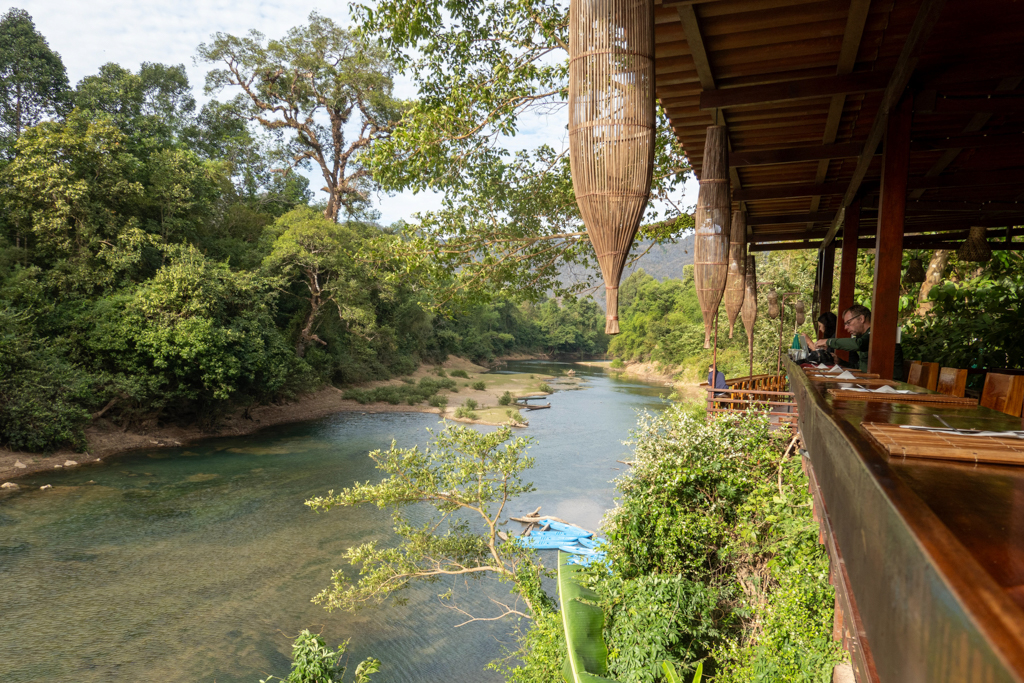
<point x="198" y="564"/>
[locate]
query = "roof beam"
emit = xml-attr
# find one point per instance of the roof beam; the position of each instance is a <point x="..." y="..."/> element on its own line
<point x="927" y="16"/>
<point x="794" y="90"/>
<point x="909" y="243"/>
<point x="817" y="217"/>
<point x="977" y="122"/>
<point x="968" y="179"/>
<point x="856" y="20"/>
<point x="788" y="191"/>
<point x="696" y="43"/>
<point x="989" y="104"/>
<point x="967" y="141"/>
<point x="789" y="155"/>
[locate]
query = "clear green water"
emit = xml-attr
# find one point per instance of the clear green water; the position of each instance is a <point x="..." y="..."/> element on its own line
<point x="198" y="564"/>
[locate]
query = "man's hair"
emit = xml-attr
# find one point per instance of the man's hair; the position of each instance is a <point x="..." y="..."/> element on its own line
<point x="857" y="309"/>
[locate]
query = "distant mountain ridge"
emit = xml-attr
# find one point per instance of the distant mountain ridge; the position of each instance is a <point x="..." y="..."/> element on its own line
<point x="662" y="262"/>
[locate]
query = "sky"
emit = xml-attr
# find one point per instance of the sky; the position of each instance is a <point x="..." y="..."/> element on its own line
<point x="90" y="34"/>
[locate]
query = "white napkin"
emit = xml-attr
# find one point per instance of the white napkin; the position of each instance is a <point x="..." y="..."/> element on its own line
<point x="846" y="375"/>
<point x="886" y="389"/>
<point x="822" y="366"/>
<point x="966" y="432"/>
<point x="835" y="368"/>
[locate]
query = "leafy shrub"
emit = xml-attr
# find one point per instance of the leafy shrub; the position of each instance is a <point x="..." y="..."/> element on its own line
<point x="545" y="388"/>
<point x="467" y="413"/>
<point x="703" y="529"/>
<point x="438" y="401"/>
<point x="459" y="373"/>
<point x="439" y="371"/>
<point x="409" y="380"/>
<point x="395" y="394"/>
<point x="314" y="662"/>
<point x="618" y="364"/>
<point x="514" y="414"/>
<point x="471" y="404"/>
<point x="479" y="386"/>
<point x="506" y="399"/>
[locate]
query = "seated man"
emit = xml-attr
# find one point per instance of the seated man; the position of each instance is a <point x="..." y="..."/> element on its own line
<point x="857" y="319"/>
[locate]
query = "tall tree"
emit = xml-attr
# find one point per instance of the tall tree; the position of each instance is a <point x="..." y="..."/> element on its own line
<point x="328" y="87"/>
<point x="33" y="82"/>
<point x="153" y="107"/>
<point x="484" y="71"/>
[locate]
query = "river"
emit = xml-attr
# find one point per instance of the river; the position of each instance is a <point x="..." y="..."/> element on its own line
<point x="198" y="563"/>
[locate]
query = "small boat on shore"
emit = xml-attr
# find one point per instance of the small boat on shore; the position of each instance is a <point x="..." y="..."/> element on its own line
<point x="533" y="407"/>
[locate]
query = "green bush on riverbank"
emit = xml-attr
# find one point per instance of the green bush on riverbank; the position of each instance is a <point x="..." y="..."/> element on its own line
<point x="714" y="558"/>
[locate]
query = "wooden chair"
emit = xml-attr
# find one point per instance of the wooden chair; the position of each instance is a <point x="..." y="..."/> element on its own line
<point x="907" y="367"/>
<point x="924" y="375"/>
<point x="1004" y="393"/>
<point x="952" y="382"/>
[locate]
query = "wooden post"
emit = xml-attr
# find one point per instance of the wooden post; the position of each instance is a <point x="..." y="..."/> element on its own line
<point x="848" y="269"/>
<point x="885" y="301"/>
<point x="827" y="269"/>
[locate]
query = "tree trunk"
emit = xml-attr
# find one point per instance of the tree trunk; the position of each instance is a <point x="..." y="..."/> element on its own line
<point x="934" y="276"/>
<point x="306" y="334"/>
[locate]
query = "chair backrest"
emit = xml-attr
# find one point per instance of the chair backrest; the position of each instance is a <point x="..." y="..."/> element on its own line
<point x="952" y="382"/>
<point x="1004" y="393"/>
<point x="907" y="367"/>
<point x="924" y="375"/>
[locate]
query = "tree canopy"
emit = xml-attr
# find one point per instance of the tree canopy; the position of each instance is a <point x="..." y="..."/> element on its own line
<point x="323" y="84"/>
<point x="33" y="81"/>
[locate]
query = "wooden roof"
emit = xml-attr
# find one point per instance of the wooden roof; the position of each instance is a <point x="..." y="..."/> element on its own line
<point x="805" y="87"/>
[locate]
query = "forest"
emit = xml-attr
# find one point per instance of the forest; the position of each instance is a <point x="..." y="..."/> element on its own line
<point x="165" y="261"/>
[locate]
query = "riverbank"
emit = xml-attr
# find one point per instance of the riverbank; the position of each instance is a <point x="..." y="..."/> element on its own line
<point x="106" y="439"/>
<point x="668" y="375"/>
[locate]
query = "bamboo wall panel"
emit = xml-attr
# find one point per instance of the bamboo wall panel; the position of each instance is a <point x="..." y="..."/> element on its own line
<point x="735" y="282"/>
<point x="712" y="219"/>
<point x="611" y="127"/>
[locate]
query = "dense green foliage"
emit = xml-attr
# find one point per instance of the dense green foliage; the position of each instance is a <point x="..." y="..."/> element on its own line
<point x="976" y="316"/>
<point x="159" y="263"/>
<point x="661" y="322"/>
<point x="314" y="662"/>
<point x="468" y="478"/>
<point x="714" y="559"/>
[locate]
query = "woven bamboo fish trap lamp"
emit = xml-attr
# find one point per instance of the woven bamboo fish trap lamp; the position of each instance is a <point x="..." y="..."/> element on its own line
<point x="976" y="247"/>
<point x="773" y="304"/>
<point x="712" y="222"/>
<point x="801" y="311"/>
<point x="735" y="281"/>
<point x="914" y="273"/>
<point x="749" y="311"/>
<point x="611" y="127"/>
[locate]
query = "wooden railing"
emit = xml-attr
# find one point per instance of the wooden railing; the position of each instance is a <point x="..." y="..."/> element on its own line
<point x="763" y="393"/>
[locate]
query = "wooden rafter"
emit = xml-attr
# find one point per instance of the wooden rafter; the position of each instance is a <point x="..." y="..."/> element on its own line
<point x="927" y="17"/>
<point x="786" y="91"/>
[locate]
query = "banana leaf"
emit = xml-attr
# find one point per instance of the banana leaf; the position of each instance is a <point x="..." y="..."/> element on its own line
<point x="583" y="623"/>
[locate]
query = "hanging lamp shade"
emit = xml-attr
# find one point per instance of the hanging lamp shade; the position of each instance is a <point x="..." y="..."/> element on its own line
<point x="773" y="304"/>
<point x="976" y="247"/>
<point x="801" y="311"/>
<point x="749" y="309"/>
<point x="915" y="272"/>
<point x="611" y="127"/>
<point x="735" y="280"/>
<point x="712" y="222"/>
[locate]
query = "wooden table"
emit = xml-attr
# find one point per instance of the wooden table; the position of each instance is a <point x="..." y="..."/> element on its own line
<point x="930" y="552"/>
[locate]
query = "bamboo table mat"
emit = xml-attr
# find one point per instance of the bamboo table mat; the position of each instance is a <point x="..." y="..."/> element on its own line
<point x="866" y="381"/>
<point x="930" y="399"/>
<point x="917" y="443"/>
<point x="811" y="372"/>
